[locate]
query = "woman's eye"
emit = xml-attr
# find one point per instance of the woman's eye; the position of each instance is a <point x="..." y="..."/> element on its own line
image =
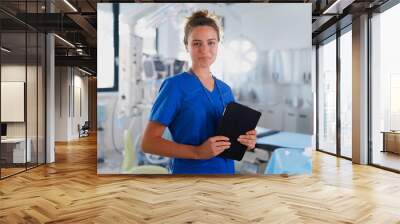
<point x="196" y="44"/>
<point x="211" y="43"/>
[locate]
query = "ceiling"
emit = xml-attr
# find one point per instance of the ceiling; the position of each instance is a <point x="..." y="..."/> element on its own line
<point x="77" y="23"/>
<point x="77" y="26"/>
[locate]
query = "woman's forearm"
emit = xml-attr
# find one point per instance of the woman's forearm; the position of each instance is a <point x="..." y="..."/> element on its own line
<point x="163" y="147"/>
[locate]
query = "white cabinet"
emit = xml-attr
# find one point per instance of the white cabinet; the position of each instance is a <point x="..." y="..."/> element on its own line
<point x="17" y="145"/>
<point x="289" y="120"/>
<point x="290" y="66"/>
<point x="19" y="154"/>
<point x="272" y="118"/>
<point x="284" y="118"/>
<point x="298" y="67"/>
<point x="266" y="68"/>
<point x="305" y="121"/>
<point x="281" y="66"/>
<point x="298" y="120"/>
<point x="301" y="66"/>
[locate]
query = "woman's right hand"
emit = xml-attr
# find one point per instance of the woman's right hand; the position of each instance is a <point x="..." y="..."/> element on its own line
<point x="213" y="147"/>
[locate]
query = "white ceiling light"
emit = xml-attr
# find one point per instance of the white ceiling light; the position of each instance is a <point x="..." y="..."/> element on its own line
<point x="65" y="41"/>
<point x="80" y="51"/>
<point x="86" y="72"/>
<point x="70" y="5"/>
<point x="5" y="50"/>
<point x="338" y="6"/>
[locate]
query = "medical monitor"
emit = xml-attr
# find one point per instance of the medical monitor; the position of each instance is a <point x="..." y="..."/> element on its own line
<point x="159" y="66"/>
<point x="149" y="69"/>
<point x="178" y="66"/>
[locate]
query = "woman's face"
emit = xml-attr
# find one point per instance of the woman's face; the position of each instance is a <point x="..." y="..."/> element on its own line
<point x="203" y="46"/>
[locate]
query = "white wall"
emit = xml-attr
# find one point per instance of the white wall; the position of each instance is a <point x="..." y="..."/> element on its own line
<point x="279" y="26"/>
<point x="68" y="82"/>
<point x="33" y="126"/>
<point x="17" y="73"/>
<point x="169" y="41"/>
<point x="80" y="83"/>
<point x="61" y="103"/>
<point x="14" y="73"/>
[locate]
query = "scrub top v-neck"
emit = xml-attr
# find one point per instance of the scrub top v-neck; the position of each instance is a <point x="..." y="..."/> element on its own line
<point x="191" y="113"/>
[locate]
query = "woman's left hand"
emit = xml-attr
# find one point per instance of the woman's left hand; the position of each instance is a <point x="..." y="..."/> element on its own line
<point x="249" y="139"/>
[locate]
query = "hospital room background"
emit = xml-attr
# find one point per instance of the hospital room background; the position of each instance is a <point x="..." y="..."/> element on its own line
<point x="264" y="55"/>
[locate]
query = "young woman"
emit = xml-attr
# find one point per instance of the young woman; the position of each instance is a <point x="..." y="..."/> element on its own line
<point x="190" y="104"/>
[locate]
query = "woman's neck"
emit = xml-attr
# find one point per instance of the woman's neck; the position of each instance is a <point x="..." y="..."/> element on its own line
<point x="205" y="77"/>
<point x="202" y="73"/>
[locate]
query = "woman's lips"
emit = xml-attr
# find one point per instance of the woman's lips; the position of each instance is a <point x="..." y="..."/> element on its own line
<point x="205" y="58"/>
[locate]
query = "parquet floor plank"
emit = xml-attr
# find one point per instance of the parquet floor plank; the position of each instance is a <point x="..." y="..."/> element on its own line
<point x="70" y="191"/>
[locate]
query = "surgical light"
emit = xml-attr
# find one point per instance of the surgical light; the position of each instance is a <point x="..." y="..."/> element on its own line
<point x="241" y="55"/>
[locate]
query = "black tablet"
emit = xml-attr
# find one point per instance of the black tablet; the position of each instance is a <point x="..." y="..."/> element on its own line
<point x="237" y="120"/>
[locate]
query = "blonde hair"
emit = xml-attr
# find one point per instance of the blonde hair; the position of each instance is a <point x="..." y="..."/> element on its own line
<point x="200" y="18"/>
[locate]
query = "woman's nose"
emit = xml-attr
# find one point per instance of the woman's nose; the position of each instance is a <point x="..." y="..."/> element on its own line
<point x="204" y="48"/>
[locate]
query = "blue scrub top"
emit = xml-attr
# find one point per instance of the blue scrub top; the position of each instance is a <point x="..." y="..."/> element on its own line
<point x="192" y="117"/>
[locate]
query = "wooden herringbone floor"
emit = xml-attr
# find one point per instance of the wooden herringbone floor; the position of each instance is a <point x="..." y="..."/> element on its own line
<point x="70" y="191"/>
